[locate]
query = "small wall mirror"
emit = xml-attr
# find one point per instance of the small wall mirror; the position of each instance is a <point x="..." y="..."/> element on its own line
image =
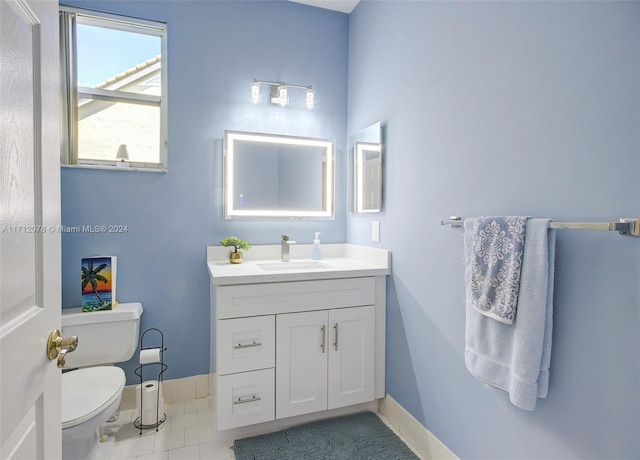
<point x="367" y="153"/>
<point x="272" y="176"/>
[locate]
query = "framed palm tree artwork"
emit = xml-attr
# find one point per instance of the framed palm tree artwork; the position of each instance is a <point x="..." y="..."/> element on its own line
<point x="99" y="283"/>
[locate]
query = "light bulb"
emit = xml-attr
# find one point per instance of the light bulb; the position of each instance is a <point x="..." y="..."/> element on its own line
<point x="283" y="96"/>
<point x="255" y="91"/>
<point x="309" y="99"/>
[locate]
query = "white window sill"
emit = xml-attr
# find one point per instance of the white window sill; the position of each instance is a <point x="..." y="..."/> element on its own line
<point x="117" y="168"/>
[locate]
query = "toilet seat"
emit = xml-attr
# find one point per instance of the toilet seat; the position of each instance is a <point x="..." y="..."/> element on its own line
<point x="88" y="391"/>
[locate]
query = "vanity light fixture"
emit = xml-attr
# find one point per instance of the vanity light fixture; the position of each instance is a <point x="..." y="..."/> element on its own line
<point x="279" y="93"/>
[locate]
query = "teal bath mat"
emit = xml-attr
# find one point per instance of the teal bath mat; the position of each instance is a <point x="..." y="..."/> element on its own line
<point x="353" y="437"/>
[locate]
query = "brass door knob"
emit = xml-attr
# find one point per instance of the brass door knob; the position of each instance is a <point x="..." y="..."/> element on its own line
<point x="57" y="347"/>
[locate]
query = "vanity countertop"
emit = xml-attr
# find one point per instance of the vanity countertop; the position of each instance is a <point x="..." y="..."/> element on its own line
<point x="262" y="264"/>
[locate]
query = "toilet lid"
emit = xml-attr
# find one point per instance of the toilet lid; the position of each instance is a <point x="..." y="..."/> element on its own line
<point x="86" y="392"/>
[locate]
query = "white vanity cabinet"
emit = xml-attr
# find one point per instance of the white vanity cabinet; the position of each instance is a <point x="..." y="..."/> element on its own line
<point x="296" y="344"/>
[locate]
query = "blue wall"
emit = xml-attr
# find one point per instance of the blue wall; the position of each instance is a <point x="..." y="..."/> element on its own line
<point x="215" y="49"/>
<point x="507" y="108"/>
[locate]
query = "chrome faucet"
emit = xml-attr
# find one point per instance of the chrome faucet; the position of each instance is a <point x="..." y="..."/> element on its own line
<point x="284" y="247"/>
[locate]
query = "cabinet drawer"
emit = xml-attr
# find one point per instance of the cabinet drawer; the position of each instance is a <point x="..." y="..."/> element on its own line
<point x="295" y="296"/>
<point x="245" y="398"/>
<point x="245" y="344"/>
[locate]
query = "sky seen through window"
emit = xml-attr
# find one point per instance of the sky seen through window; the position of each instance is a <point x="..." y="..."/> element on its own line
<point x="103" y="53"/>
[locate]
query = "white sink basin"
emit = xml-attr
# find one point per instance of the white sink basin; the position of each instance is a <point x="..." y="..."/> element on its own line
<point x="291" y="266"/>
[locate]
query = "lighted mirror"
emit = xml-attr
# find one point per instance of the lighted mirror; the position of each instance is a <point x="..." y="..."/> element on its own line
<point x="273" y="176"/>
<point x="367" y="153"/>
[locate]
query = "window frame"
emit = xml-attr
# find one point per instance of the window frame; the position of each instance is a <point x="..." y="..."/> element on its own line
<point x="71" y="92"/>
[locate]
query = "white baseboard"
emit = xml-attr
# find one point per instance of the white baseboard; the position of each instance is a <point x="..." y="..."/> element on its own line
<point x="175" y="390"/>
<point x="421" y="439"/>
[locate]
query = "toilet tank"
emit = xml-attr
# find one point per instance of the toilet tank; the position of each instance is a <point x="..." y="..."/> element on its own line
<point x="104" y="337"/>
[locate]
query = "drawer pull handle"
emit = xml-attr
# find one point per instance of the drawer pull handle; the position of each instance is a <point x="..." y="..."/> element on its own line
<point x="247" y="400"/>
<point x="335" y="343"/>
<point x="247" y="345"/>
<point x="322" y="345"/>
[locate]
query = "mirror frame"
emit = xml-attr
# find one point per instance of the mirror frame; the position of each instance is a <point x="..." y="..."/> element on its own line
<point x="230" y="137"/>
<point x="360" y="149"/>
<point x="363" y="141"/>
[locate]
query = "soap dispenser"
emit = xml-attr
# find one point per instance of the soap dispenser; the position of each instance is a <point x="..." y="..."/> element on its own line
<point x="316" y="252"/>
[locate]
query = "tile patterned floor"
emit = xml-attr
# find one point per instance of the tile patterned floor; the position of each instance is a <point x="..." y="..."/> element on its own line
<point x="187" y="434"/>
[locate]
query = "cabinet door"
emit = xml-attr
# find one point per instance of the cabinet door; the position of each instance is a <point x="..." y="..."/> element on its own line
<point x="351" y="356"/>
<point x="301" y="363"/>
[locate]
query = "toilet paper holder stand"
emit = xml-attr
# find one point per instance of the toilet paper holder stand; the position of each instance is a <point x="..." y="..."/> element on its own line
<point x="151" y="367"/>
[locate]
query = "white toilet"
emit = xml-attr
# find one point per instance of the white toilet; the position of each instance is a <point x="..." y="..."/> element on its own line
<point x="91" y="395"/>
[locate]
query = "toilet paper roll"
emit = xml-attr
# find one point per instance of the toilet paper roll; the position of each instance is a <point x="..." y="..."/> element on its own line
<point x="150" y="355"/>
<point x="150" y="417"/>
<point x="150" y="397"/>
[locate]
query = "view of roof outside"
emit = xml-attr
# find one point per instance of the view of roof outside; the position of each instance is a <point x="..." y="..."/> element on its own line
<point x="103" y="53"/>
<point x="125" y="61"/>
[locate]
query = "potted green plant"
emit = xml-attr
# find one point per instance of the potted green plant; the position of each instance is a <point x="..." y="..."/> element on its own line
<point x="235" y="257"/>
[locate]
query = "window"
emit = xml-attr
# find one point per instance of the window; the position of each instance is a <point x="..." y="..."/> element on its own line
<point x="114" y="90"/>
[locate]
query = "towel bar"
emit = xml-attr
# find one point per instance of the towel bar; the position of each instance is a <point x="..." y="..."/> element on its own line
<point x="626" y="225"/>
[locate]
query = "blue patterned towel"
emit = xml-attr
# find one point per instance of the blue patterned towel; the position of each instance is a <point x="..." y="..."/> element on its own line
<point x="496" y="262"/>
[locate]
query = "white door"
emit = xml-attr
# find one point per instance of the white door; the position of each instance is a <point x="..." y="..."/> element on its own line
<point x="351" y="356"/>
<point x="301" y="363"/>
<point x="30" y="420"/>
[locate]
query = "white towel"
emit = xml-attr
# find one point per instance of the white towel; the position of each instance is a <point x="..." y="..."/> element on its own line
<point x="516" y="357"/>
